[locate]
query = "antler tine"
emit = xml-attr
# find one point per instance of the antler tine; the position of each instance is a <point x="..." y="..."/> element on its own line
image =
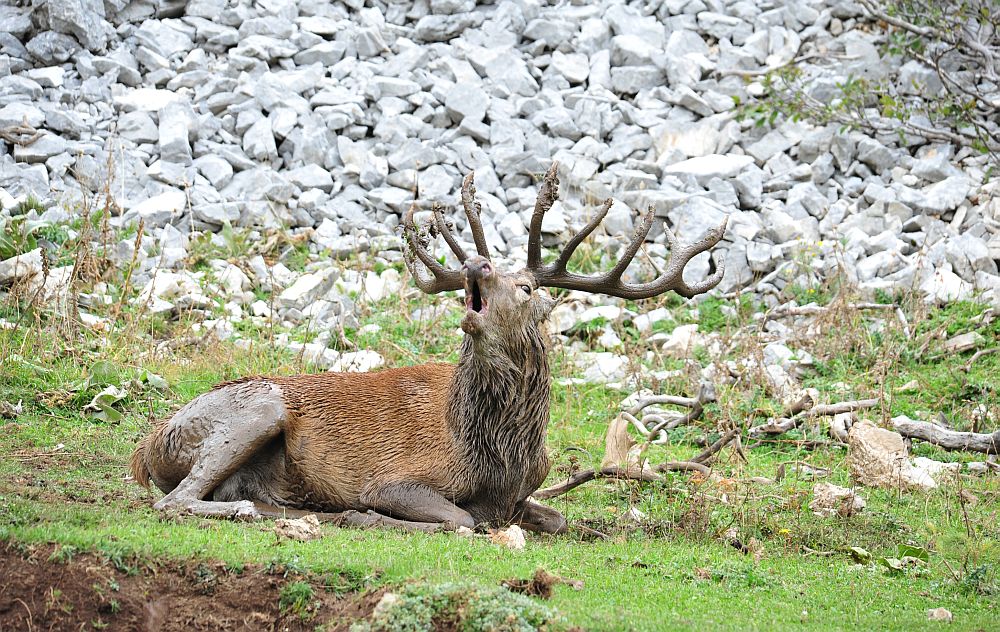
<point x="556" y="275"/>
<point x="443" y="278"/>
<point x="547" y="194"/>
<point x="681" y="255"/>
<point x="639" y="236"/>
<point x="472" y="210"/>
<point x="442" y="227"/>
<point x="571" y="245"/>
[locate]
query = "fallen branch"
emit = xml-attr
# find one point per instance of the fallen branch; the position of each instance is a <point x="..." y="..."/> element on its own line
<point x="977" y="355"/>
<point x="655" y="423"/>
<point x="585" y="476"/>
<point x="788" y="309"/>
<point x="723" y="441"/>
<point x="948" y="439"/>
<point x="619" y="473"/>
<point x="783" y="424"/>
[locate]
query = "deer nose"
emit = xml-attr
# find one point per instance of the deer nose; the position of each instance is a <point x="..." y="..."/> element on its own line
<point x="477" y="267"/>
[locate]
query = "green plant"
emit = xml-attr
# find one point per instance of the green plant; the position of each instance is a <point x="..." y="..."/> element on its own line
<point x="296" y="598"/>
<point x="457" y="606"/>
<point x="956" y="40"/>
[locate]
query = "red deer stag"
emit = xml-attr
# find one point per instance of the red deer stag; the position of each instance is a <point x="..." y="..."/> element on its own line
<point x="422" y="447"/>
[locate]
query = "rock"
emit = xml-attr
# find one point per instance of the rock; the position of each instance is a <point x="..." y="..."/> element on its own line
<point x="644" y="322"/>
<point x="21" y="268"/>
<point x="875" y="155"/>
<point x="601" y="367"/>
<point x="512" y="537"/>
<point x="467" y="102"/>
<point x="944" y="286"/>
<point x="936" y="470"/>
<point x="18" y="113"/>
<point x="357" y="362"/>
<point x="159" y="209"/>
<point x="258" y="142"/>
<point x="878" y="458"/>
<point x="84" y="19"/>
<point x="311" y="177"/>
<point x="176" y="124"/>
<point x="830" y="500"/>
<point x="939" y="614"/>
<point x="943" y="196"/>
<point x="683" y="340"/>
<point x="47" y="146"/>
<point x="575" y="67"/>
<point x="307" y="288"/>
<point x="772" y="143"/>
<point x="301" y="529"/>
<point x="704" y="168"/>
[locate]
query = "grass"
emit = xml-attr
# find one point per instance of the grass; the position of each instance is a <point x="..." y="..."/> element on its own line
<point x="63" y="474"/>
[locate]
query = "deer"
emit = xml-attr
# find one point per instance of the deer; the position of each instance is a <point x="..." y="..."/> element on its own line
<point x="429" y="447"/>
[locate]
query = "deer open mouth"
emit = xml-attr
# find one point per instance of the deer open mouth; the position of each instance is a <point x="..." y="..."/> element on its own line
<point x="474" y="299"/>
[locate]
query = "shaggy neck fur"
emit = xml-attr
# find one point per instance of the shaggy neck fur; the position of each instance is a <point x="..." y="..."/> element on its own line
<point x="499" y="410"/>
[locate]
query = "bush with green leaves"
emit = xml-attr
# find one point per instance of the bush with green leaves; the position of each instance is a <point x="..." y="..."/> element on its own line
<point x="957" y="100"/>
<point x="468" y="608"/>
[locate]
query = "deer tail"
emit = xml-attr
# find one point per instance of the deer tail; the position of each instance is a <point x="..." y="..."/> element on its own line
<point x="140" y="471"/>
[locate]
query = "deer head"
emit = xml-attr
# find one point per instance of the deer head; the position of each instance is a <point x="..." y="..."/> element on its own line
<point x="497" y="303"/>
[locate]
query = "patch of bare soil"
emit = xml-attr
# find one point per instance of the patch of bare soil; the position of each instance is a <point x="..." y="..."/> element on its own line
<point x="44" y="587"/>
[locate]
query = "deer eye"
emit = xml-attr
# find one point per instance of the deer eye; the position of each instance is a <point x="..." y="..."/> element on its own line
<point x="526" y="289"/>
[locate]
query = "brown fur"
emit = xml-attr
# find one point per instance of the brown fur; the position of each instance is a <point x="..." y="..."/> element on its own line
<point x="472" y="432"/>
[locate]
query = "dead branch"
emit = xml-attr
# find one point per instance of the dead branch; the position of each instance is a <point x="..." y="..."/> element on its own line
<point x="977" y="355"/>
<point x="619" y="473"/>
<point x="585" y="476"/>
<point x="684" y="466"/>
<point x="948" y="439"/>
<point x="783" y="424"/>
<point x="654" y="423"/>
<point x="710" y="451"/>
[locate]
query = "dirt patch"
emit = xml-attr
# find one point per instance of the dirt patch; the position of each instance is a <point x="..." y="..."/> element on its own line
<point x="47" y="587"/>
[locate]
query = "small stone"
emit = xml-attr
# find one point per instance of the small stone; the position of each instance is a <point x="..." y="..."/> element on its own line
<point x="21" y="267"/>
<point x="704" y="168"/>
<point x="512" y="537"/>
<point x="45" y="147"/>
<point x="832" y="500"/>
<point x="357" y="362"/>
<point x="301" y="529"/>
<point x="940" y="614"/>
<point x="307" y="288"/>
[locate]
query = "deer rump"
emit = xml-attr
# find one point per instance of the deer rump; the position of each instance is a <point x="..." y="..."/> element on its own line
<point x="422" y="447"/>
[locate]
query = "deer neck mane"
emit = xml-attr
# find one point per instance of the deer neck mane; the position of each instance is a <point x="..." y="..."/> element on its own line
<point x="498" y="405"/>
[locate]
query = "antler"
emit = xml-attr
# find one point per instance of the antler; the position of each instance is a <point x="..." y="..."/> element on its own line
<point x="443" y="279"/>
<point x="672" y="278"/>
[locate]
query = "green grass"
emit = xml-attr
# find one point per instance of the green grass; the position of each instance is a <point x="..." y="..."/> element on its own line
<point x="63" y="480"/>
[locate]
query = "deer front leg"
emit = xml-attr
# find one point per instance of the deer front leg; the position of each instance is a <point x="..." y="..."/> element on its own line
<point x="537" y="517"/>
<point x="415" y="502"/>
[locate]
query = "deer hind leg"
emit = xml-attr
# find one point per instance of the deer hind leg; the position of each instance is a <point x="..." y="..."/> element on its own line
<point x="414" y="503"/>
<point x="537" y="517"/>
<point x="211" y="439"/>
